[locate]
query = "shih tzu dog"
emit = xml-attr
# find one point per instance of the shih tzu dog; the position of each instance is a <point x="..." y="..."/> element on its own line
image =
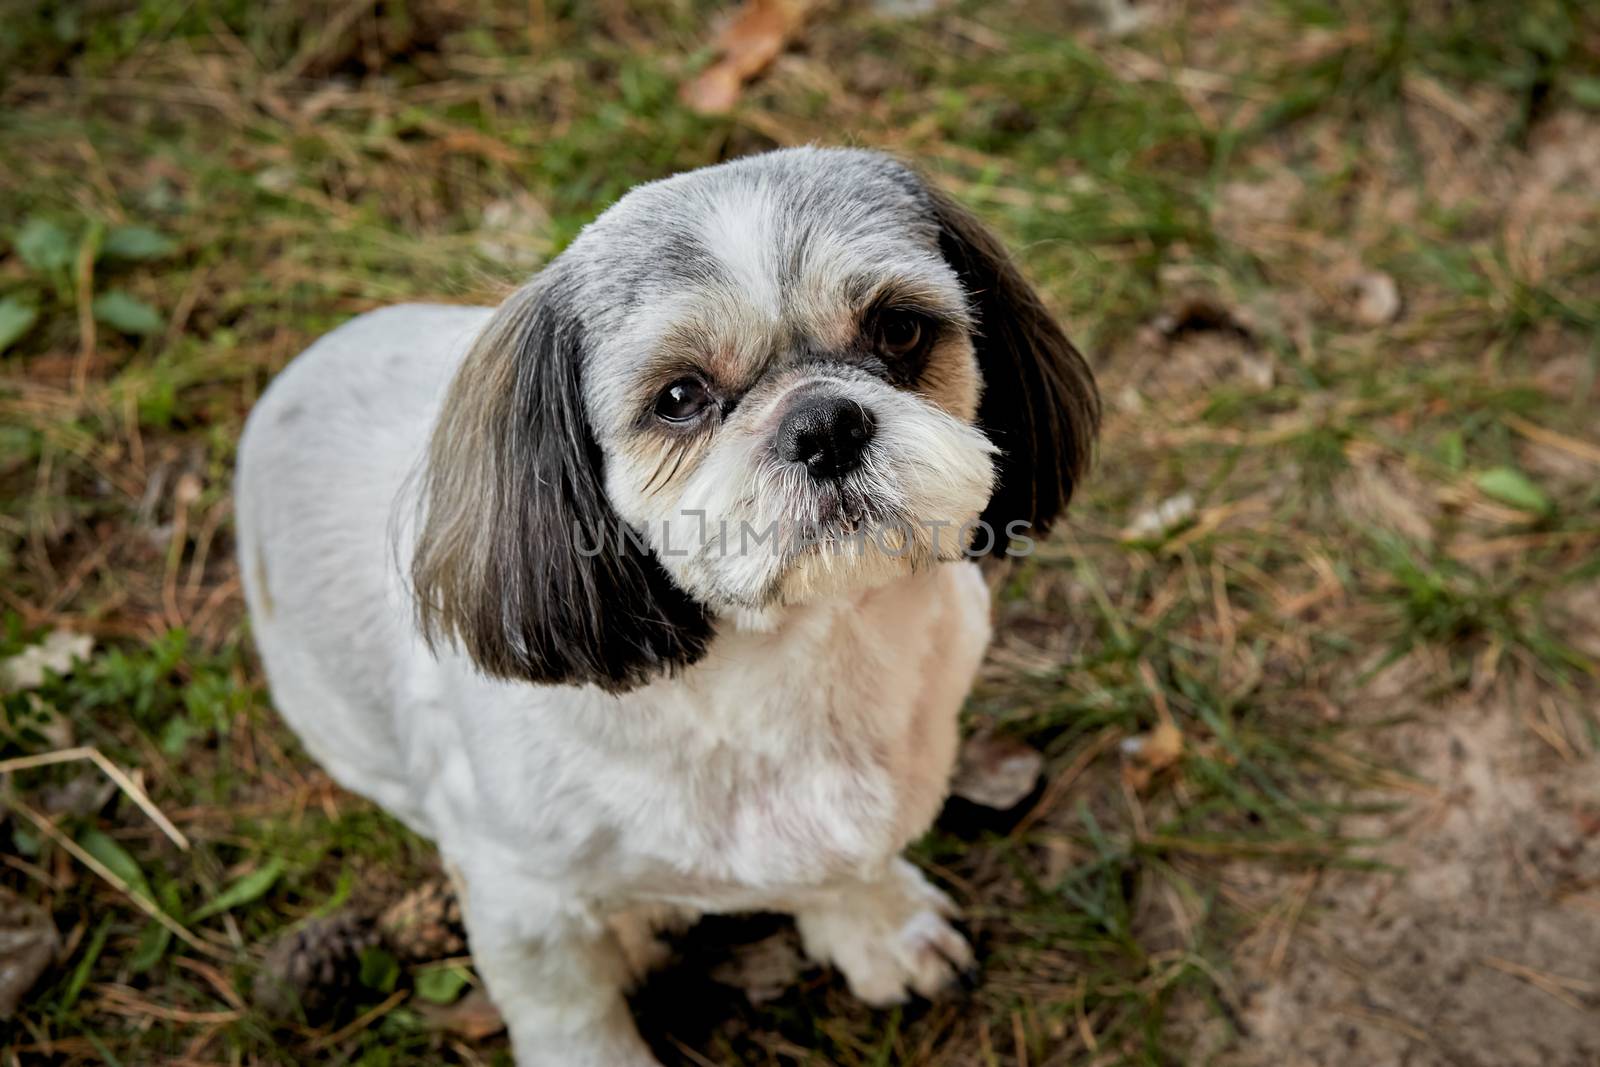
<point x="655" y="591"/>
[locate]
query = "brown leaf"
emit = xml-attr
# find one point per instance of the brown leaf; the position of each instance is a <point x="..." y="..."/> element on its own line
<point x="27" y="945"/>
<point x="996" y="772"/>
<point x="474" y="1016"/>
<point x="756" y="35"/>
<point x="1150" y="754"/>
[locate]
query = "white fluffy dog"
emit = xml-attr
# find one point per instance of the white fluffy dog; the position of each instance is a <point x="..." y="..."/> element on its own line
<point x="655" y="589"/>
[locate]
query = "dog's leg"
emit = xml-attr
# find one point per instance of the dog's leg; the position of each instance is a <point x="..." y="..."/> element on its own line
<point x="557" y="974"/>
<point x="638" y="932"/>
<point x="890" y="936"/>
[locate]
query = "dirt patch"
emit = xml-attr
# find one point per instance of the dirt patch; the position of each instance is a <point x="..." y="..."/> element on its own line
<point x="1479" y="947"/>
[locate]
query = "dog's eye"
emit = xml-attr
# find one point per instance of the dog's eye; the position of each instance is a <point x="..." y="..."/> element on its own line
<point x="683" y="400"/>
<point x="899" y="332"/>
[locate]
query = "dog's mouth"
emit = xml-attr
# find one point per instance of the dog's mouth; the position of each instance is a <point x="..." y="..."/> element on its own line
<point x="841" y="514"/>
<point x="844" y="510"/>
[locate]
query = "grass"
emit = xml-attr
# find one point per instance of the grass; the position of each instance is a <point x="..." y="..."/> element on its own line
<point x="194" y="192"/>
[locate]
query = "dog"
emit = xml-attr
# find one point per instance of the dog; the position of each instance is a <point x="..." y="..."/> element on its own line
<point x="657" y="590"/>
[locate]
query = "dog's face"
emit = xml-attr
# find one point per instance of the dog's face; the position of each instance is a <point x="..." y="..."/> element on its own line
<point x="781" y="377"/>
<point x="757" y="384"/>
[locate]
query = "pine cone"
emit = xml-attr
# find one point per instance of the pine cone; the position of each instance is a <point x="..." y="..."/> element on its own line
<point x="312" y="973"/>
<point x="425" y="924"/>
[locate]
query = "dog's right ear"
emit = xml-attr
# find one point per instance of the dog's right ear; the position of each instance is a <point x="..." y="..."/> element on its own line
<point x="521" y="557"/>
<point x="1040" y="404"/>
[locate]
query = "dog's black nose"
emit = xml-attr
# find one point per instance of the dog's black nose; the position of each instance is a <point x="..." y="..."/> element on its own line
<point x="826" y="433"/>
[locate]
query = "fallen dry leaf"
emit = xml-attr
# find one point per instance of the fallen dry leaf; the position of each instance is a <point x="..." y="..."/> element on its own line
<point x="754" y="37"/>
<point x="763" y="970"/>
<point x="1147" y="755"/>
<point x="996" y="772"/>
<point x="474" y="1016"/>
<point x="27" y="945"/>
<point x="57" y="652"/>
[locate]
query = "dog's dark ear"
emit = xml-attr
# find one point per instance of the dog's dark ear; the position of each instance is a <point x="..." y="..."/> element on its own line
<point x="521" y="557"/>
<point x="1039" y="405"/>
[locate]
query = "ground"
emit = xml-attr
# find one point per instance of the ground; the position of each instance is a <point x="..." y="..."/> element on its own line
<point x="1313" y="669"/>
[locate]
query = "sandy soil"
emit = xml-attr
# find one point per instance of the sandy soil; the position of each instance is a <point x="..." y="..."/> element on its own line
<point x="1481" y="945"/>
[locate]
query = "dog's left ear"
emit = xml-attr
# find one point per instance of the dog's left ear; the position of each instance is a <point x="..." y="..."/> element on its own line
<point x="1039" y="405"/>
<point x="521" y="559"/>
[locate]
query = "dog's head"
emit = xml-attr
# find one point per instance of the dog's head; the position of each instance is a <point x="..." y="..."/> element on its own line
<point x="757" y="384"/>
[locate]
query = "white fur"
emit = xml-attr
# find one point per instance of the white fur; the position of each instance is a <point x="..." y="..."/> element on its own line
<point x="785" y="771"/>
<point x="737" y="230"/>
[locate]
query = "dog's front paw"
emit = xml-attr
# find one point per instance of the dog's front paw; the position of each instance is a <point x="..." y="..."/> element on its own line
<point x="889" y="938"/>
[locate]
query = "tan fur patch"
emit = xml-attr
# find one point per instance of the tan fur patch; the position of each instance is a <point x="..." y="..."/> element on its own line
<point x="950" y="379"/>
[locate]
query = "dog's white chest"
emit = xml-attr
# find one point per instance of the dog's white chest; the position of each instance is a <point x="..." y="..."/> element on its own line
<point x="812" y="763"/>
<point x="783" y="762"/>
<point x="784" y="766"/>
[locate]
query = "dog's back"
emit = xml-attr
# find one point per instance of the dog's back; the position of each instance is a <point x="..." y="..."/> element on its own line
<point x="323" y="461"/>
